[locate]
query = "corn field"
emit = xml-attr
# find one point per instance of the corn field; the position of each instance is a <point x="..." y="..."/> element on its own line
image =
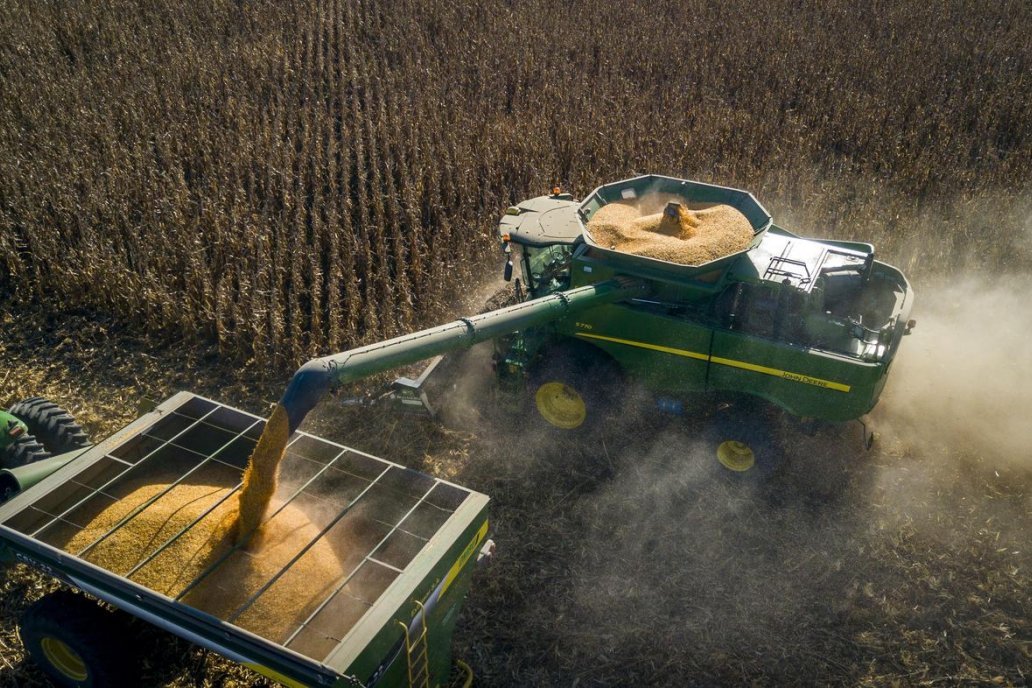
<point x="290" y="177"/>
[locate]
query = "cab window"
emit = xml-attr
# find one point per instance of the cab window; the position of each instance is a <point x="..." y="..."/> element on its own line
<point x="547" y="268"/>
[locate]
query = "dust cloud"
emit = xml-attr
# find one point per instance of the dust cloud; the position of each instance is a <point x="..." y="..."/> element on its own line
<point x="681" y="563"/>
<point x="962" y="383"/>
<point x="832" y="561"/>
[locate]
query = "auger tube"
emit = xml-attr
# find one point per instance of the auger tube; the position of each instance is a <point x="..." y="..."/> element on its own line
<point x="319" y="375"/>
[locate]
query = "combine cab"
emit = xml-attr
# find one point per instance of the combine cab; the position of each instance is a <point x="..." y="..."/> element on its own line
<point x="809" y="325"/>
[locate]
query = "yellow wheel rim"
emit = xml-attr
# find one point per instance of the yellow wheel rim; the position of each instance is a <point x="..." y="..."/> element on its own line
<point x="736" y="456"/>
<point x="64" y="659"/>
<point x="560" y="405"/>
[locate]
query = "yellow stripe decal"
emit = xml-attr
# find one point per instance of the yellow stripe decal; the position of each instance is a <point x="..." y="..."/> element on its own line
<point x="730" y="362"/>
<point x="644" y="345"/>
<point x="464" y="557"/>
<point x="794" y="377"/>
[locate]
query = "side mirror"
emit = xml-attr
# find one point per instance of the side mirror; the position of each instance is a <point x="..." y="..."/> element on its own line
<point x="507" y="275"/>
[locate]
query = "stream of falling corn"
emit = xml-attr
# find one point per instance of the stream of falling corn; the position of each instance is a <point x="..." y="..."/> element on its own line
<point x="261" y="475"/>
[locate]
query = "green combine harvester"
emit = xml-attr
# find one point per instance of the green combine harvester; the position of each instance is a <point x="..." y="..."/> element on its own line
<point x="809" y="326"/>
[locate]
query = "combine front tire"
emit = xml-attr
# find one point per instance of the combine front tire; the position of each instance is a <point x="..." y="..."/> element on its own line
<point x="574" y="388"/>
<point x="54" y="427"/>
<point x="78" y="643"/>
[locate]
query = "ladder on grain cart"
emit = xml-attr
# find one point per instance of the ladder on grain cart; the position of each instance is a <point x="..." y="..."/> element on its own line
<point x="416" y="652"/>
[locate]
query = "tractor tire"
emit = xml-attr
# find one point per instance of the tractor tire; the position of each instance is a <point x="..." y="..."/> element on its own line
<point x="574" y="389"/>
<point x="78" y="643"/>
<point x="23" y="451"/>
<point x="54" y="427"/>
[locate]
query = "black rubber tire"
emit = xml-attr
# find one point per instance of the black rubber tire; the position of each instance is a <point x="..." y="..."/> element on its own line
<point x="23" y="451"/>
<point x="100" y="639"/>
<point x="584" y="370"/>
<point x="53" y="426"/>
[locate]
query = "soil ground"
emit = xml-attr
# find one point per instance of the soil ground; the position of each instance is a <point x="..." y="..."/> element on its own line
<point x="627" y="556"/>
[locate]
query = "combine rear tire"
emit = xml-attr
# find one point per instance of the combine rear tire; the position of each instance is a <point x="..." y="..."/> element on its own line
<point x="51" y="424"/>
<point x="78" y="643"/>
<point x="22" y="452"/>
<point x="747" y="437"/>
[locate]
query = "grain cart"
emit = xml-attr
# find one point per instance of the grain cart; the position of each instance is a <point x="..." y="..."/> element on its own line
<point x="401" y="546"/>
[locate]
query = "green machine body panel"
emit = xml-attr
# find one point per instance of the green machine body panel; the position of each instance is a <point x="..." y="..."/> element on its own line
<point x="11" y="428"/>
<point x="809" y="325"/>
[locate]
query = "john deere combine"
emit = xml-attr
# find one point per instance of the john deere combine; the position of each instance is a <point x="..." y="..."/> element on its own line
<point x="811" y="326"/>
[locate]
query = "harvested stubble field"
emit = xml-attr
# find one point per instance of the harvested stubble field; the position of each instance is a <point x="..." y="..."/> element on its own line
<point x="199" y="197"/>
